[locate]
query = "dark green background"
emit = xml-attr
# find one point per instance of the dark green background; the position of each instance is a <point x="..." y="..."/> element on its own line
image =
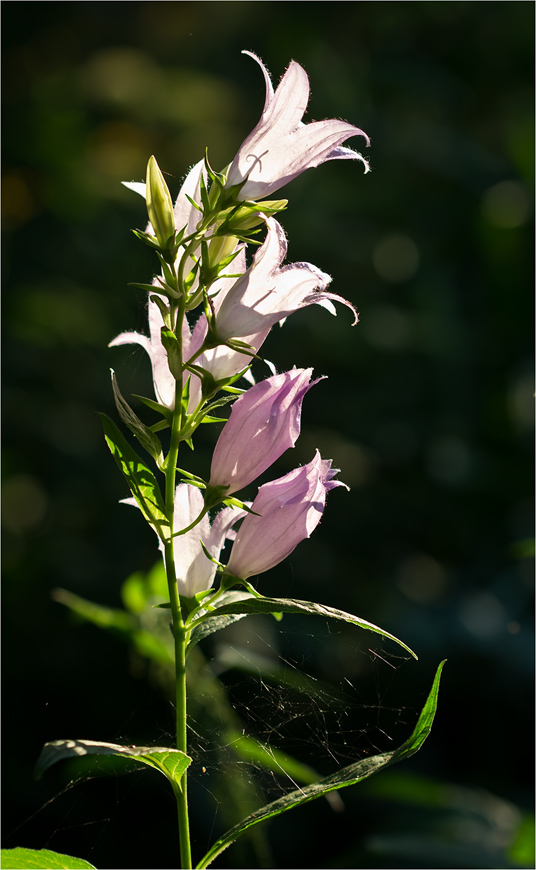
<point x="427" y="410"/>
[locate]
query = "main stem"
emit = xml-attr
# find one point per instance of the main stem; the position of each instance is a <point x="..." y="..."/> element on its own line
<point x="179" y="633"/>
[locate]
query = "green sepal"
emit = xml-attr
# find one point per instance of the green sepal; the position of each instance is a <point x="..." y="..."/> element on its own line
<point x="193" y="202"/>
<point x="215" y="494"/>
<point x="235" y="502"/>
<point x="204" y="191"/>
<point x="141" y="481"/>
<point x="147" y="238"/>
<point x="149" y="287"/>
<point x="192" y="478"/>
<point x="350" y="775"/>
<point x="219" y="178"/>
<point x="193" y="482"/>
<point x="143" y="433"/>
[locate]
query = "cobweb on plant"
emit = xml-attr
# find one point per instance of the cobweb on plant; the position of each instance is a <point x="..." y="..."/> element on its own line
<point x="273" y="706"/>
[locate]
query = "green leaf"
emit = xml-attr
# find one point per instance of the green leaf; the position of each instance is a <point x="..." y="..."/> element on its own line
<point x="143" y="433"/>
<point x="350" y="775"/>
<point x="206" y="626"/>
<point x="156" y="406"/>
<point x="253" y="605"/>
<point x="141" y="480"/>
<point x="40" y="859"/>
<point x="171" y="762"/>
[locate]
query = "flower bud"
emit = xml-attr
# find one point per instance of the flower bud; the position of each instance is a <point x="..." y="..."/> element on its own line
<point x="249" y="215"/>
<point x="289" y="509"/>
<point x="159" y="204"/>
<point x="264" y="422"/>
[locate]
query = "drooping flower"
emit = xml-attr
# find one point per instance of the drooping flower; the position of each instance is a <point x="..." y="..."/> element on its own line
<point x="289" y="509"/>
<point x="264" y="422"/>
<point x="195" y="572"/>
<point x="267" y="293"/>
<point x="281" y="147"/>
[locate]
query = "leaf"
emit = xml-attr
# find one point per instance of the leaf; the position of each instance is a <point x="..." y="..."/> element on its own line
<point x="211" y="625"/>
<point x="145" y="436"/>
<point x="40" y="859"/>
<point x="171" y="762"/>
<point x="252" y="605"/>
<point x="205" y="626"/>
<point x="141" y="480"/>
<point x="350" y="775"/>
<point x="156" y="406"/>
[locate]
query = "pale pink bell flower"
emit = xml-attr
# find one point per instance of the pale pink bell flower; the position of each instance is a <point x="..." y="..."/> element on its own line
<point x="267" y="293"/>
<point x="281" y="147"/>
<point x="289" y="509"/>
<point x="263" y="424"/>
<point x="195" y="572"/>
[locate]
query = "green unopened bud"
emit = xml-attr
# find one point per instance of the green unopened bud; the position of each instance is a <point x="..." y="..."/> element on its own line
<point x="249" y="215"/>
<point x="159" y="205"/>
<point x="220" y="248"/>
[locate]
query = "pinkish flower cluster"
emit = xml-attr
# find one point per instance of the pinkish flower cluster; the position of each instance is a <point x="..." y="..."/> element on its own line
<point x="201" y="242"/>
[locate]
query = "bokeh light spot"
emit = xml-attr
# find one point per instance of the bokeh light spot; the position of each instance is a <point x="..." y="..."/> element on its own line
<point x="24" y="503"/>
<point x="506" y="205"/>
<point x="396" y="258"/>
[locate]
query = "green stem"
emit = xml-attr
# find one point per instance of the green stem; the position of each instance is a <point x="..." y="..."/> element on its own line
<point x="179" y="632"/>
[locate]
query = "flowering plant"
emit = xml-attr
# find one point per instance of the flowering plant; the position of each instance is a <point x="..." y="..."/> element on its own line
<point x="209" y="314"/>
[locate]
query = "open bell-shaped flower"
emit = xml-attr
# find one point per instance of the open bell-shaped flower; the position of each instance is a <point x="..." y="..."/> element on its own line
<point x="281" y="147"/>
<point x="195" y="572"/>
<point x="267" y="293"/>
<point x="289" y="509"/>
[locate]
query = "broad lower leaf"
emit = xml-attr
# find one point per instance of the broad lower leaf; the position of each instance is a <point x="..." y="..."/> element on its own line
<point x="171" y="762"/>
<point x="40" y="859"/>
<point x="248" y="606"/>
<point x="350" y="775"/>
<point x="140" y="479"/>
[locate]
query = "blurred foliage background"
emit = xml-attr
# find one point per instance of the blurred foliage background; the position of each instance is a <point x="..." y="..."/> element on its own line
<point x="428" y="409"/>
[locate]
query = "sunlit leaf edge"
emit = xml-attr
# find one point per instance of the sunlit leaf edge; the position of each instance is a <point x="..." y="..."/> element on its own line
<point x="250" y="606"/>
<point x="171" y="762"/>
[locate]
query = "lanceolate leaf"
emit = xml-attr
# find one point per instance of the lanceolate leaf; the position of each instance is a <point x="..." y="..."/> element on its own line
<point x="171" y="762"/>
<point x="350" y="775"/>
<point x="285" y="605"/>
<point x="41" y="859"/>
<point x="140" y="479"/>
<point x="145" y="436"/>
